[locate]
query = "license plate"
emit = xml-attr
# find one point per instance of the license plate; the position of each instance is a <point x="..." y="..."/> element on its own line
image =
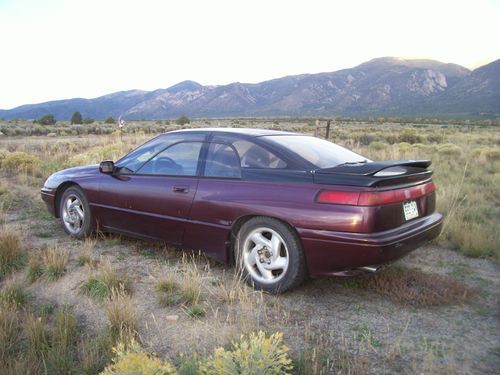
<point x="410" y="209"/>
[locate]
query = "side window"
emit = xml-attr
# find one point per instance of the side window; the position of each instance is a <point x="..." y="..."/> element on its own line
<point x="255" y="156"/>
<point x="181" y="159"/>
<point x="222" y="161"/>
<point x="131" y="162"/>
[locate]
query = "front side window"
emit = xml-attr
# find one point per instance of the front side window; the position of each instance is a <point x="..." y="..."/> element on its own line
<point x="136" y="159"/>
<point x="180" y="159"/>
<point x="222" y="161"/>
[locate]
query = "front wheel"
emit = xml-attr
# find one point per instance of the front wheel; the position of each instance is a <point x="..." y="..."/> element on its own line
<point x="74" y="212"/>
<point x="269" y="253"/>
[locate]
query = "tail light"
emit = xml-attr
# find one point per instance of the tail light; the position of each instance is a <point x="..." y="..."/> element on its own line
<point x="374" y="198"/>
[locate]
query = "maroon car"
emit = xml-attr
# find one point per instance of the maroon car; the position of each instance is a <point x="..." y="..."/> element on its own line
<point x="282" y="205"/>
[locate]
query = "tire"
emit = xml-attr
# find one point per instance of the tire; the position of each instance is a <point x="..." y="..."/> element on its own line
<point x="74" y="212"/>
<point x="269" y="254"/>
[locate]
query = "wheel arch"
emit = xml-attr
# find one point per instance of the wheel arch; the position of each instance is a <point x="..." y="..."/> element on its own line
<point x="60" y="191"/>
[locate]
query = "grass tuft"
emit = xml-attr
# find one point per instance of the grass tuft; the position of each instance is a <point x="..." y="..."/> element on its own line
<point x="11" y="256"/>
<point x="54" y="261"/>
<point x="195" y="311"/>
<point x="10" y="325"/>
<point x="13" y="293"/>
<point x="121" y="315"/>
<point x="100" y="284"/>
<point x="35" y="267"/>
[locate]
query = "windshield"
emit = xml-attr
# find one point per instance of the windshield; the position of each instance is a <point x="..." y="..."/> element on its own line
<point x="319" y="152"/>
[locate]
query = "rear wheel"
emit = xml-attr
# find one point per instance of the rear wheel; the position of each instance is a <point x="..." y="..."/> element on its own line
<point x="269" y="254"/>
<point x="74" y="212"/>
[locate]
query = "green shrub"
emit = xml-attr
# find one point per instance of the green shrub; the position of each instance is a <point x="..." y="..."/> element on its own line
<point x="256" y="354"/>
<point x="183" y="120"/>
<point x="76" y="118"/>
<point x="47" y="120"/>
<point x="110" y="120"/>
<point x="19" y="161"/>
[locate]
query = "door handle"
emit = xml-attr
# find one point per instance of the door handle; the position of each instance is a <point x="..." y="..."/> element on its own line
<point x="180" y="189"/>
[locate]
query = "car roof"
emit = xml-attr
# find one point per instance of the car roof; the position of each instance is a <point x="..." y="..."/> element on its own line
<point x="241" y="131"/>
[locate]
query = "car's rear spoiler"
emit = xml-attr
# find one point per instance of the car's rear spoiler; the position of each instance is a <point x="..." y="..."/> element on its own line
<point x="367" y="173"/>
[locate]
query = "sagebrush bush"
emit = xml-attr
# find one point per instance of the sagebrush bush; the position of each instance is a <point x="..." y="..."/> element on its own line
<point x="19" y="161"/>
<point x="255" y="354"/>
<point x="131" y="359"/>
<point x="377" y="145"/>
<point x="449" y="149"/>
<point x="410" y="136"/>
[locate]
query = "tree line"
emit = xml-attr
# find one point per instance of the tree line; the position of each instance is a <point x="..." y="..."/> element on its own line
<point x="77" y="119"/>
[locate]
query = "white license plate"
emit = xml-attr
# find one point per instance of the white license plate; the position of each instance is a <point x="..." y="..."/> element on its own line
<point x="410" y="209"/>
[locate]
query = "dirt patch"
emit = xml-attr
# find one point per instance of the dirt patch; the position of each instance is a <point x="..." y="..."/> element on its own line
<point x="417" y="288"/>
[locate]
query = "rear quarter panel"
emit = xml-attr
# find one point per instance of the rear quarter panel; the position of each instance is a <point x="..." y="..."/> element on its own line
<point x="219" y="203"/>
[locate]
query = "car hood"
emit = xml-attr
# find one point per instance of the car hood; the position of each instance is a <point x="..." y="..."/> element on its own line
<point x="68" y="174"/>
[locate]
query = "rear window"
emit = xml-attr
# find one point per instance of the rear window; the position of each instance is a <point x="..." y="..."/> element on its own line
<point x="319" y="152"/>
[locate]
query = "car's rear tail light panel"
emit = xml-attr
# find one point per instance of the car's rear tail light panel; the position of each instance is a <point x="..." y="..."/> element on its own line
<point x="374" y="198"/>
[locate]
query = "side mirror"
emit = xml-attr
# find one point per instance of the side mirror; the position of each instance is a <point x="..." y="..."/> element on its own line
<point x="107" y="166"/>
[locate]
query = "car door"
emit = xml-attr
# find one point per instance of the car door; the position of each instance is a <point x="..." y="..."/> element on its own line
<point x="154" y="200"/>
<point x="223" y="195"/>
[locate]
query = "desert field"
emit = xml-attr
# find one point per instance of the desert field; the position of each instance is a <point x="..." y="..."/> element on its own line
<point x="69" y="306"/>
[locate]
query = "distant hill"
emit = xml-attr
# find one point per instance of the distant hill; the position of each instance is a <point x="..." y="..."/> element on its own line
<point x="382" y="86"/>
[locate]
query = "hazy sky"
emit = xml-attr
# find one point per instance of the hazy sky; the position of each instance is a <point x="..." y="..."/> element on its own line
<point x="55" y="49"/>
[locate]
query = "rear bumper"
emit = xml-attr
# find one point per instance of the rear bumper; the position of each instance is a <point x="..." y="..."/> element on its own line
<point x="49" y="197"/>
<point x="328" y="252"/>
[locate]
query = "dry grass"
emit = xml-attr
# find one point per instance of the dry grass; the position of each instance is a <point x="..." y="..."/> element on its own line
<point x="11" y="254"/>
<point x="14" y="293"/>
<point x="10" y="326"/>
<point x="54" y="263"/>
<point x="85" y="258"/>
<point x="35" y="329"/>
<point x="417" y="288"/>
<point x="121" y="316"/>
<point x="102" y="282"/>
<point x="34" y="269"/>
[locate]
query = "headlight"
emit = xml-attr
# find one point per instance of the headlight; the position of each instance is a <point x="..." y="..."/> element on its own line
<point x="52" y="182"/>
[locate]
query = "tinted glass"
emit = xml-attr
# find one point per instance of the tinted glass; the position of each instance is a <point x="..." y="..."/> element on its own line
<point x="180" y="159"/>
<point x="222" y="161"/>
<point x="255" y="156"/>
<point x="319" y="152"/>
<point x="133" y="161"/>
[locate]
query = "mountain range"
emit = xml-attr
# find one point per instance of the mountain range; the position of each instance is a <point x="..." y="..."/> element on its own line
<point x="382" y="86"/>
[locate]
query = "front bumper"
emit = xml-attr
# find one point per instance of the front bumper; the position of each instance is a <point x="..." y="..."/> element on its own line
<point x="329" y="252"/>
<point x="49" y="197"/>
